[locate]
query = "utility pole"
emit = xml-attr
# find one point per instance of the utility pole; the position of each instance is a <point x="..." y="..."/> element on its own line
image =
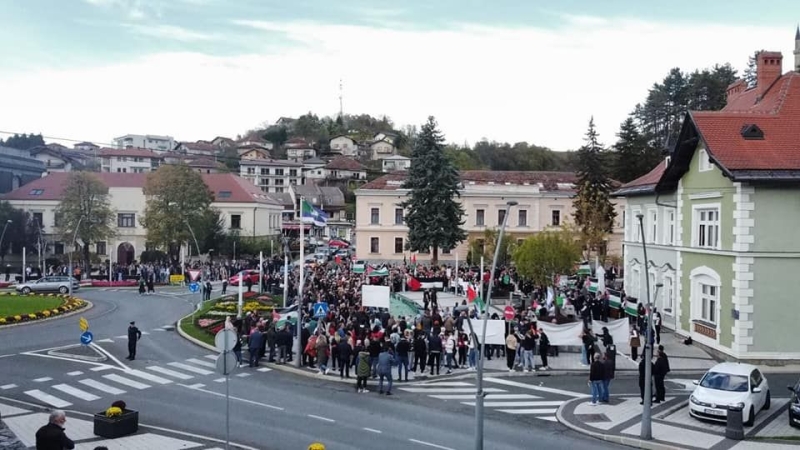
<point x="647" y="401"/>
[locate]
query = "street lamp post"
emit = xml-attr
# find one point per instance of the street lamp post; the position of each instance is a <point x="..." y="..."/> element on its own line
<point x="647" y="401"/>
<point x="8" y="222"/>
<point x="479" y="395"/>
<point x="74" y="238"/>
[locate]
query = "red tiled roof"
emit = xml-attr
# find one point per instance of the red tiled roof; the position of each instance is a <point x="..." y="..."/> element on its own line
<point x="132" y="152"/>
<point x="778" y="116"/>
<point x="648" y="179"/>
<point x="345" y="163"/>
<point x="53" y="185"/>
<point x="200" y="146"/>
<point x="550" y="180"/>
<point x="204" y="162"/>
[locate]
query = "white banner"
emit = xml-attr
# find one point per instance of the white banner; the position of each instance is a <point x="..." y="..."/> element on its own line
<point x="495" y="331"/>
<point x="569" y="333"/>
<point x="375" y="296"/>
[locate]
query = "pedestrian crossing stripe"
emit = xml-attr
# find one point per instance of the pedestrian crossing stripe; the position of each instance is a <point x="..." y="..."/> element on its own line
<point x="47" y="398"/>
<point x="75" y="392"/>
<point x="190" y="368"/>
<point x="126" y="381"/>
<point x="172" y="373"/>
<point x="101" y="387"/>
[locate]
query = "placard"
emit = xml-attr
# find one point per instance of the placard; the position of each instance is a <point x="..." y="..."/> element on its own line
<point x="375" y="296"/>
<point x="495" y="331"/>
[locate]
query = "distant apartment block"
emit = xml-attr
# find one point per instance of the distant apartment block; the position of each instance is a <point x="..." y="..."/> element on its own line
<point x="146" y="141"/>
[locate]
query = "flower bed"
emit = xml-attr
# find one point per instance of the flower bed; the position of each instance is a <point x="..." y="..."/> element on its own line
<point x="4" y="284"/>
<point x="124" y="283"/>
<point x="42" y="308"/>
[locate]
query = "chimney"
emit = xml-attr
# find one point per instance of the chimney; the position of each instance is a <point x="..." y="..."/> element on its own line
<point x="769" y="66"/>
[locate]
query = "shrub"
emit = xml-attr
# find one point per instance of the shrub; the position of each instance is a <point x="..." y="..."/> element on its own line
<point x="113" y="412"/>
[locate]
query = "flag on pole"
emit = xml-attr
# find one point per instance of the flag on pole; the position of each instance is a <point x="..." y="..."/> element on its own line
<point x="480" y="304"/>
<point x="414" y="284"/>
<point x="471" y="294"/>
<point x="310" y="214"/>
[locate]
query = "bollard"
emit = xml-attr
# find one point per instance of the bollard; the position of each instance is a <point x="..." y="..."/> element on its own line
<point x="735" y="428"/>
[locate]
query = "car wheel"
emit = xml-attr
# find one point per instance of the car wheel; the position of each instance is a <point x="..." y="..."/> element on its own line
<point x="767" y="402"/>
<point x="26" y="290"/>
<point x="751" y="418"/>
<point x="63" y="289"/>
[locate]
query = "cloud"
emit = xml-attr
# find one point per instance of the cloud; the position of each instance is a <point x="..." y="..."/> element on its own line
<point x="539" y="85"/>
<point x="171" y="32"/>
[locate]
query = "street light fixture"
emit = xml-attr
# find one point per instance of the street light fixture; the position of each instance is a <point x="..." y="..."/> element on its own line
<point x="480" y="394"/>
<point x="74" y="239"/>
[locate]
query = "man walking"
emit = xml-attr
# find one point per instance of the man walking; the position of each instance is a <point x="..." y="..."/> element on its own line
<point x="133" y="337"/>
<point x="254" y="345"/>
<point x="52" y="436"/>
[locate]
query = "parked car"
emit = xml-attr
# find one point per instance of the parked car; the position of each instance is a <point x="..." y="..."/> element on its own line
<point x="794" y="405"/>
<point x="49" y="284"/>
<point x="729" y="384"/>
<point x="321" y="257"/>
<point x="251" y="274"/>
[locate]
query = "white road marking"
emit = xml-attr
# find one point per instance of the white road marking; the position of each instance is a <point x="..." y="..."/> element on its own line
<point x="110" y="356"/>
<point x="121" y="337"/>
<point x="513" y="404"/>
<point x="372" y="430"/>
<point x="148" y="376"/>
<point x="443" y="384"/>
<point x="238" y="399"/>
<point x="220" y="380"/>
<point x="126" y="381"/>
<point x="43" y="379"/>
<point x="7" y="356"/>
<point x="172" y="373"/>
<point x="213" y="357"/>
<point x="194" y="386"/>
<point x="8" y="386"/>
<point x="428" y="444"/>
<point x="109" y="341"/>
<point x="202" y="363"/>
<point x="536" y="388"/>
<point x="190" y="368"/>
<point x="75" y="392"/>
<point x="529" y="411"/>
<point x="47" y="398"/>
<point x="324" y="419"/>
<point x="99" y="368"/>
<point x="264" y="369"/>
<point x="101" y="387"/>
<point x="449" y="390"/>
<point x="243" y="375"/>
<point x="488" y="397"/>
<point x="548" y="418"/>
<point x="75" y="373"/>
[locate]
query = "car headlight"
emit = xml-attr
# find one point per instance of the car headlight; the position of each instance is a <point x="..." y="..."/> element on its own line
<point x="739" y="405"/>
<point x="796" y="408"/>
<point x="693" y="399"/>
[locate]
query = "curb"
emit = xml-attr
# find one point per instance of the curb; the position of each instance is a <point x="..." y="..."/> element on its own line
<point x="88" y="305"/>
<point x="616" y="439"/>
<point x="194" y="341"/>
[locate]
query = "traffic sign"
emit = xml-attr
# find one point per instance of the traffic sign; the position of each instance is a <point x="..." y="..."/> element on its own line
<point x="320" y="310"/>
<point x="226" y="363"/>
<point x="225" y="340"/>
<point x="509" y="312"/>
<point x="194" y="287"/>
<point x="194" y="275"/>
<point x="84" y="324"/>
<point x="87" y="338"/>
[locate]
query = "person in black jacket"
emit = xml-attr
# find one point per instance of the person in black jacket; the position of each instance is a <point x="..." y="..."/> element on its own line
<point x="420" y="350"/>
<point x="52" y="436"/>
<point x="435" y="352"/>
<point x="596" y="376"/>
<point x="660" y="371"/>
<point x="608" y="369"/>
<point x="544" y="348"/>
<point x="403" y="347"/>
<point x="345" y="352"/>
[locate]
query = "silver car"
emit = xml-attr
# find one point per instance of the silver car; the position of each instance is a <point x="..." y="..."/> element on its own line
<point x="49" y="284"/>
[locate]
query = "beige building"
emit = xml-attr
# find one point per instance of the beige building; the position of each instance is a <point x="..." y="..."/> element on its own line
<point x="242" y="205"/>
<point x="545" y="201"/>
<point x="129" y="160"/>
<point x="271" y="175"/>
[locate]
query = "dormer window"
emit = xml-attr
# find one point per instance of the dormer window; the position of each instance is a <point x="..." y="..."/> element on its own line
<point x="752" y="131"/>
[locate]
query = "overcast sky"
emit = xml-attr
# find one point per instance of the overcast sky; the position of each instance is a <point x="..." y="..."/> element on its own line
<point x="506" y="70"/>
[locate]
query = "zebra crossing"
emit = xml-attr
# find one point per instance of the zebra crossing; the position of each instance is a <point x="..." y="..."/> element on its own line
<point x="540" y="404"/>
<point x="103" y="381"/>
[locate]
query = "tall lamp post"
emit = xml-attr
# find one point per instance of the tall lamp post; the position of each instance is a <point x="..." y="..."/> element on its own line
<point x="479" y="395"/>
<point x="647" y="418"/>
<point x="8" y="222"/>
<point x="74" y="238"/>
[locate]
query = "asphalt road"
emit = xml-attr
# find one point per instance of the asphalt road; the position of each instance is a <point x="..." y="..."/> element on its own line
<point x="177" y="389"/>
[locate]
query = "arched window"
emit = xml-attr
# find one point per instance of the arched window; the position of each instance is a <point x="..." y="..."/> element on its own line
<point x="706" y="293"/>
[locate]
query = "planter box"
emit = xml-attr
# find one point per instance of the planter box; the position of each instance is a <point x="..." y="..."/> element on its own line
<point x="114" y="427"/>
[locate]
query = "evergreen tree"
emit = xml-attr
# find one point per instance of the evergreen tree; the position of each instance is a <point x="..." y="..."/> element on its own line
<point x="632" y="157"/>
<point x="593" y="211"/>
<point x="433" y="215"/>
<point x="750" y="74"/>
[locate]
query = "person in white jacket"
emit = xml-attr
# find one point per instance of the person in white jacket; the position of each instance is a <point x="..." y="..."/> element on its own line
<point x="449" y="351"/>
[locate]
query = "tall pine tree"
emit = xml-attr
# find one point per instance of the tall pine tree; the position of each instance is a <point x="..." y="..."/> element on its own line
<point x="633" y="157"/>
<point x="593" y="211"/>
<point x="433" y="215"/>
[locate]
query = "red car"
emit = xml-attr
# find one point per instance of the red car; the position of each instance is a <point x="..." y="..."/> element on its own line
<point x="252" y="275"/>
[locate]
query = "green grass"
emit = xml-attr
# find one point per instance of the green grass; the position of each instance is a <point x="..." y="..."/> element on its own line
<point x="21" y="305"/>
<point x="189" y="327"/>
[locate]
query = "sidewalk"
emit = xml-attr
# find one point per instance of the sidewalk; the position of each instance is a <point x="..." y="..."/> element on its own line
<point x="672" y="427"/>
<point x="20" y="422"/>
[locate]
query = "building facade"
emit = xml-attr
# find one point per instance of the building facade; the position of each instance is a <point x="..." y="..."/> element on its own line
<point x="545" y="202"/>
<point x="271" y="175"/>
<point x="146" y="141"/>
<point x="730" y="186"/>
<point x="18" y="168"/>
<point x="344" y="145"/>
<point x="129" y="160"/>
<point x="244" y="208"/>
<point x="394" y="163"/>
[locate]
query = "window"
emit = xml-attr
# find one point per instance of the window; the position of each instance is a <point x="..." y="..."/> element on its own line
<point x="670" y="237"/>
<point x="523" y="218"/>
<point x="652" y="280"/>
<point x="375" y="216"/>
<point x="264" y="181"/>
<point x="445" y="251"/>
<point x="652" y="225"/>
<point x="703" y="161"/>
<point x="635" y="282"/>
<point x="279" y="182"/>
<point x="224" y="194"/>
<point x="236" y="221"/>
<point x="37" y="192"/>
<point x="556" y="218"/>
<point x="122" y="170"/>
<point x="37" y="219"/>
<point x="278" y="171"/>
<point x="292" y="172"/>
<point x="57" y="219"/>
<point x="709" y="296"/>
<point x="59" y="250"/>
<point x="100" y="248"/>
<point x="501" y="216"/>
<point x="707" y="227"/>
<point x="264" y="171"/>
<point x="398" y="216"/>
<point x="279" y="190"/>
<point x="479" y="217"/>
<point x="669" y="293"/>
<point x="635" y="226"/>
<point x="398" y="245"/>
<point x="126" y="220"/>
<point x="374" y="245"/>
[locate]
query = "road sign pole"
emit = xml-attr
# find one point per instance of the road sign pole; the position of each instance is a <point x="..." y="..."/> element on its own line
<point x="227" y="396"/>
<point x="240" y="303"/>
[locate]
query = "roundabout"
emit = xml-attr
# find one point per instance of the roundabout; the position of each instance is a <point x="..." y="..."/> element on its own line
<point x="17" y="308"/>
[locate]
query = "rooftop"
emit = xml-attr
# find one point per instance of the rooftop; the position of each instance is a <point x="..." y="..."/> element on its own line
<point x="549" y="181"/>
<point x="345" y="163"/>
<point x="645" y="184"/>
<point x="131" y="152"/>
<point x="269" y="163"/>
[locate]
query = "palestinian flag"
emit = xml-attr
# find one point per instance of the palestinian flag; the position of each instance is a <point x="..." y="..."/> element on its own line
<point x="591" y="285"/>
<point x="560" y="301"/>
<point x="584" y="269"/>
<point x="382" y="272"/>
<point x="471" y="294"/>
<point x="631" y="308"/>
<point x="480" y="304"/>
<point x="614" y="298"/>
<point x="419" y="283"/>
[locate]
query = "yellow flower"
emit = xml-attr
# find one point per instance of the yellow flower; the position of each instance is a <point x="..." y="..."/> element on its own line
<point x="17" y="317"/>
<point x="2" y="320"/>
<point x="14" y="293"/>
<point x="31" y="316"/>
<point x="55" y="311"/>
<point x="113" y="412"/>
<point x="46" y="313"/>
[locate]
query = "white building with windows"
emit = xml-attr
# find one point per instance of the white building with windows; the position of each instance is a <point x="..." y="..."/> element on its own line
<point x="129" y="160"/>
<point x="395" y="163"/>
<point x="242" y="205"/>
<point x="545" y="201"/>
<point x="146" y="141"/>
<point x="271" y="175"/>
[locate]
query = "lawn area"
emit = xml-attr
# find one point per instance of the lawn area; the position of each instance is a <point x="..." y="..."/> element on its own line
<point x="23" y="305"/>
<point x="190" y="328"/>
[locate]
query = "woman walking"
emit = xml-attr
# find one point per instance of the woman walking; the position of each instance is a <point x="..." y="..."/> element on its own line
<point x="362" y="371"/>
<point x="511" y="350"/>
